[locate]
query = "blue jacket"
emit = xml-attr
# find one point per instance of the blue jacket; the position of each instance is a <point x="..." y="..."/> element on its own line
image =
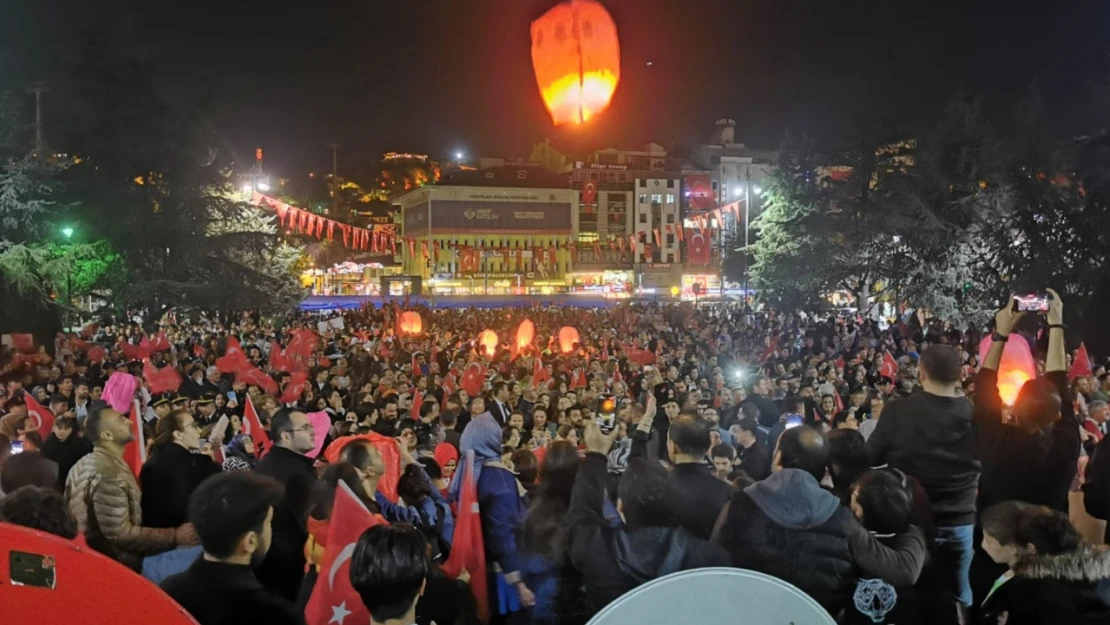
<point x="502" y="511"/>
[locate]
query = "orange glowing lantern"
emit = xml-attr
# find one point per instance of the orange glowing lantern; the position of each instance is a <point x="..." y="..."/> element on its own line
<point x="577" y="59"/>
<point x="568" y="339"/>
<point x="525" y="333"/>
<point x="411" y="323"/>
<point x="487" y="343"/>
<point x="1017" y="366"/>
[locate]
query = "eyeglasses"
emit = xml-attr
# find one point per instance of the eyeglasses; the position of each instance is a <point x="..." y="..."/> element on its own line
<point x="192" y="425"/>
<point x="304" y="428"/>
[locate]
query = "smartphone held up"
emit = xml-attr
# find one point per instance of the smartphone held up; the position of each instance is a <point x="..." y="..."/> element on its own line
<point x="607" y="413"/>
<point x="1033" y="302"/>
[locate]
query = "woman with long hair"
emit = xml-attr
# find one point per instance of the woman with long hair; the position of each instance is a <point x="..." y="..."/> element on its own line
<point x="1052" y="576"/>
<point x="548" y="572"/>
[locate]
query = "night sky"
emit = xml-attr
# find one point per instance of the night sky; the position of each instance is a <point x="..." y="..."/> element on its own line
<point x="439" y="75"/>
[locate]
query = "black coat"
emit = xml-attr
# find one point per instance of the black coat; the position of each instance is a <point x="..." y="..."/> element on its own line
<point x="283" y="569"/>
<point x="613" y="561"/>
<point x="701" y="495"/>
<point x="1096" y="487"/>
<point x="769" y="412"/>
<point x="215" y="593"/>
<point x="931" y="438"/>
<point x="1017" y="465"/>
<point x="65" y="453"/>
<point x="755" y="461"/>
<point x="1047" y="590"/>
<point x="167" y="480"/>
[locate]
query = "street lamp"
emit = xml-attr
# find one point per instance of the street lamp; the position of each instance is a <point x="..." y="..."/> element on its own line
<point x="459" y="155"/>
<point x="738" y="191"/>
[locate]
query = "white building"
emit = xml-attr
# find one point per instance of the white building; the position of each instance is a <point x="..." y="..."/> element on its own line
<point x="657" y="211"/>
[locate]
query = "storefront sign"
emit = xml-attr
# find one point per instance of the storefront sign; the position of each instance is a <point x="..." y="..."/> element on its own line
<point x="503" y="217"/>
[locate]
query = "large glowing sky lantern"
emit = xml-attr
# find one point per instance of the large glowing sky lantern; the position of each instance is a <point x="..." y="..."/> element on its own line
<point x="1016" y="368"/>
<point x="577" y="59"/>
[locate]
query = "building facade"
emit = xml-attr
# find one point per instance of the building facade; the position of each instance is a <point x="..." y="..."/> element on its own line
<point x="501" y="230"/>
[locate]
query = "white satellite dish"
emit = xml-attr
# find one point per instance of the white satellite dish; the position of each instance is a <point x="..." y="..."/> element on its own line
<point x="714" y="595"/>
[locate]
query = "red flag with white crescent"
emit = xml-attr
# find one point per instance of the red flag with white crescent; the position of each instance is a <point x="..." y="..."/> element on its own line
<point x="474" y="376"/>
<point x="41" y="417"/>
<point x="333" y="599"/>
<point x="134" y="452"/>
<point x="890" y="366"/>
<point x="468" y="549"/>
<point x="253" y="427"/>
<point x="1081" y="366"/>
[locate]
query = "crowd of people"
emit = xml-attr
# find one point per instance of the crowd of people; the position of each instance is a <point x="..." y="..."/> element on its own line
<point x="872" y="465"/>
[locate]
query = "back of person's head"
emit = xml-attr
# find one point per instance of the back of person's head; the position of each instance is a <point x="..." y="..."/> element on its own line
<point x="388" y="570"/>
<point x="230" y="512"/>
<point x="848" y="456"/>
<point x="749" y="424"/>
<point x="941" y="364"/>
<point x="646" y="496"/>
<point x="412" y="485"/>
<point x="29" y="468"/>
<point x="750" y="411"/>
<point x="448" y="419"/>
<point x="791" y="404"/>
<point x="360" y="454"/>
<point x="884" y="501"/>
<point x="803" y="448"/>
<point x="1032" y="529"/>
<point x="689" y="434"/>
<point x="1037" y="405"/>
<point x="525" y="466"/>
<point x="560" y="468"/>
<point x="39" y="508"/>
<point x="323" y="491"/>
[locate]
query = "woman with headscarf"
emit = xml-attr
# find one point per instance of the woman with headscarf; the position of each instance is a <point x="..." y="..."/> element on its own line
<point x="501" y="506"/>
<point x="239" y="454"/>
<point x="447" y="457"/>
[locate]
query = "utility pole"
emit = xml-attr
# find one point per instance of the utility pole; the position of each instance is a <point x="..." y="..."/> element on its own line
<point x="37" y="89"/>
<point x="334" y="178"/>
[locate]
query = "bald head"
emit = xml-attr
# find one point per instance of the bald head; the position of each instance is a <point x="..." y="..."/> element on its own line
<point x="803" y="448"/>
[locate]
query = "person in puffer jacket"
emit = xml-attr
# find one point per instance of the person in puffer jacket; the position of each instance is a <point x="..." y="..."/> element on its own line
<point x="789" y="527"/>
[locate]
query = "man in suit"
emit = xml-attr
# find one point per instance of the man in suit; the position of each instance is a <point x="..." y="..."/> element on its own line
<point x="499" y="407"/>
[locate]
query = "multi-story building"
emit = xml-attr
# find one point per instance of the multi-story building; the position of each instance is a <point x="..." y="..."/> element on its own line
<point x="501" y="230"/>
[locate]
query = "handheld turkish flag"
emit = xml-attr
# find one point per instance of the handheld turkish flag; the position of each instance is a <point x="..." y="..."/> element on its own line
<point x="294" y="388"/>
<point x="617" y="377"/>
<point x="890" y="366"/>
<point x="251" y="374"/>
<point x="840" y="363"/>
<point x="333" y="599"/>
<point x="605" y="353"/>
<point x="22" y="342"/>
<point x="279" y="360"/>
<point x="391" y="457"/>
<point x="160" y="380"/>
<point x="134" y="453"/>
<point x="1081" y="366"/>
<point x="417" y="402"/>
<point x="468" y="550"/>
<point x="450" y="384"/>
<point x="302" y="344"/>
<point x="233" y="359"/>
<point x="577" y="378"/>
<point x="539" y="372"/>
<point x="772" y="347"/>
<point x="839" y="402"/>
<point x="42" y="418"/>
<point x="473" y="377"/>
<point x="97" y="354"/>
<point x="252" y="426"/>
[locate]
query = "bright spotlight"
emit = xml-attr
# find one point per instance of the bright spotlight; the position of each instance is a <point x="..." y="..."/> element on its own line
<point x="757" y="190"/>
<point x="263" y="186"/>
<point x="247" y="188"/>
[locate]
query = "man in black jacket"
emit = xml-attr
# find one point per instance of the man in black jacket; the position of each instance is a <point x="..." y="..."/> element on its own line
<point x="789" y="527"/>
<point x="759" y="395"/>
<point x="293" y="436"/>
<point x="232" y="514"/>
<point x="646" y="545"/>
<point x="929" y="436"/>
<point x="700" y="494"/>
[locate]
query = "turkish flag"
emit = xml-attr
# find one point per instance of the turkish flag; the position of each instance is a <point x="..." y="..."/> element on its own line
<point x="252" y="426"/>
<point x="617" y="377"/>
<point x="280" y="360"/>
<point x="839" y="402"/>
<point x="539" y="373"/>
<point x="136" y="352"/>
<point x="1081" y="366"/>
<point x="293" y="389"/>
<point x="333" y="599"/>
<point x="302" y="344"/>
<point x="697" y="247"/>
<point x="840" y="363"/>
<point x="449" y="384"/>
<point x="42" y="418"/>
<point x="474" y="376"/>
<point x="468" y="260"/>
<point x="658" y="237"/>
<point x="97" y="354"/>
<point x="160" y="343"/>
<point x="639" y="356"/>
<point x="233" y="359"/>
<point x="589" y="192"/>
<point x="890" y="366"/>
<point x="22" y="342"/>
<point x="417" y="402"/>
<point x="134" y="453"/>
<point x="251" y="374"/>
<point x="578" y="379"/>
<point x="160" y="380"/>
<point x="468" y="550"/>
